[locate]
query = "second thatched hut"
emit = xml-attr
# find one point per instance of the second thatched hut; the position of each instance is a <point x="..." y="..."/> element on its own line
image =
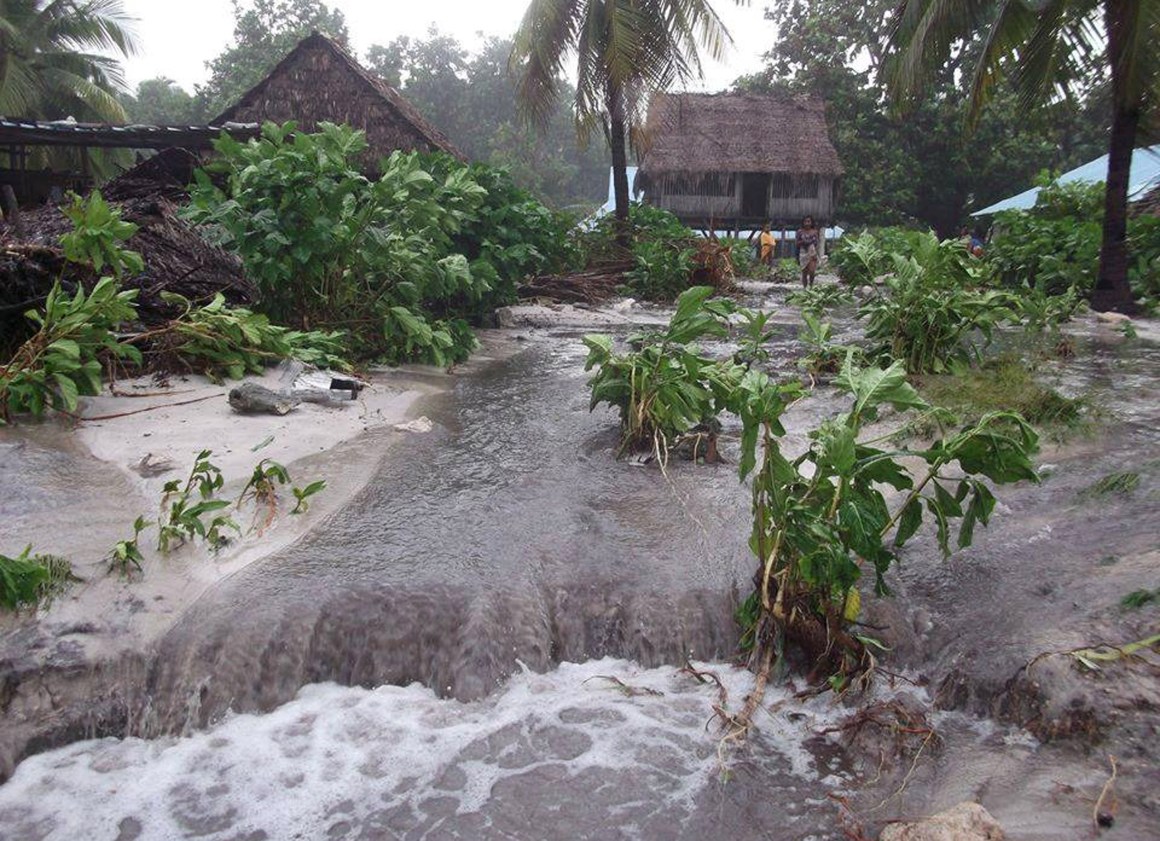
<point x="319" y="81"/>
<point x="737" y="161"/>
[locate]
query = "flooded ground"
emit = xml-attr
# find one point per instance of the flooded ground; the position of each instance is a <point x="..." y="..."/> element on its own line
<point x="509" y="542"/>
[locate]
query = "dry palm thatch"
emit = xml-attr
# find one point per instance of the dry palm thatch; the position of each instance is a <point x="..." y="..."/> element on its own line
<point x="176" y="259"/>
<point x="727" y="133"/>
<point x="318" y="81"/>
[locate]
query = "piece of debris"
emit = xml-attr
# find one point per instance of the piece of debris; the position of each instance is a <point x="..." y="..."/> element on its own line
<point x="421" y="425"/>
<point x="146" y="468"/>
<point x="254" y="399"/>
<point x="964" y="822"/>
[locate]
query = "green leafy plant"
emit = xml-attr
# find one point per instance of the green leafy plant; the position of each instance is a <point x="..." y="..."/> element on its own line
<point x="262" y="489"/>
<point x="184" y="516"/>
<point x="1043" y="313"/>
<point x="821" y="520"/>
<point x="399" y="263"/>
<point x="302" y="496"/>
<point x="819" y="298"/>
<point x="665" y="387"/>
<point x="28" y="579"/>
<point x="125" y="557"/>
<point x="1120" y="484"/>
<point x="97" y="234"/>
<point x="931" y="314"/>
<point x="823" y="356"/>
<point x="223" y="341"/>
<point x="62" y="360"/>
<point x="860" y="259"/>
<point x="1140" y="598"/>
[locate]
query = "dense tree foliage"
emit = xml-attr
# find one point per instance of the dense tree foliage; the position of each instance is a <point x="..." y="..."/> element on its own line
<point x="472" y="98"/>
<point x="1044" y="48"/>
<point x="264" y="32"/>
<point x="923" y="167"/>
<point x="161" y="101"/>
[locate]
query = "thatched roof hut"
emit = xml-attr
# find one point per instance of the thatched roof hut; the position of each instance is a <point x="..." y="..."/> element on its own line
<point x="318" y="81"/>
<point x="739" y="160"/>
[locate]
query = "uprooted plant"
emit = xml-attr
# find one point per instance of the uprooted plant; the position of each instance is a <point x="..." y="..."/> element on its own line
<point x="223" y="341"/>
<point x="665" y="387"/>
<point x="823" y="519"/>
<point x="262" y="489"/>
<point x="189" y="510"/>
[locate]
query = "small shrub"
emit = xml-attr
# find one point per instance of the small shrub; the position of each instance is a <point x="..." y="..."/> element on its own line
<point x="1140" y="598"/>
<point x="664" y="387"/>
<point x="822" y="520"/>
<point x="62" y="360"/>
<point x="96" y="237"/>
<point x="819" y="298"/>
<point x="823" y="356"/>
<point x="931" y="313"/>
<point x="184" y="517"/>
<point x="302" y="496"/>
<point x="125" y="557"/>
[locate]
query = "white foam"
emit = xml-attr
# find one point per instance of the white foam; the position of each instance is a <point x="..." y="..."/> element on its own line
<point x="336" y="757"/>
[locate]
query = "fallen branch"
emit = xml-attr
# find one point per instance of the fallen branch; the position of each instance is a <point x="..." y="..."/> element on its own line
<point x="140" y="411"/>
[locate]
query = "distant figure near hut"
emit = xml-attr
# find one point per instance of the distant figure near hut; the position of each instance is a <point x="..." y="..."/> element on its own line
<point x="807" y="239"/>
<point x="737" y="161"/>
<point x="766" y="244"/>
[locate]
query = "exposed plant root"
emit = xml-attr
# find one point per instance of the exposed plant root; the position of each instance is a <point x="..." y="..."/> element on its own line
<point x="1102" y="817"/>
<point x="626" y="689"/>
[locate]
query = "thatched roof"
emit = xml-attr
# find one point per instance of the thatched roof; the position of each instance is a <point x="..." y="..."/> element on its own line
<point x="702" y="133"/>
<point x="320" y="82"/>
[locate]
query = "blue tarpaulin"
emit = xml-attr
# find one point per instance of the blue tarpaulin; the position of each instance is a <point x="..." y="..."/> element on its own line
<point x="1144" y="176"/>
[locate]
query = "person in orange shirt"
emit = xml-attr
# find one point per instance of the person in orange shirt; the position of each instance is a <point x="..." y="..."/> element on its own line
<point x="766" y="245"/>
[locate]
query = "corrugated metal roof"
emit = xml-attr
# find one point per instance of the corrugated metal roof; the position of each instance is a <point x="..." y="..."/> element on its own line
<point x="18" y="132"/>
<point x="1145" y="175"/>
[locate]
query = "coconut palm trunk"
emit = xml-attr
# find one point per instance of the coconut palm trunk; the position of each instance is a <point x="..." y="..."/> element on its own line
<point x="1112" y="290"/>
<point x="618" y="144"/>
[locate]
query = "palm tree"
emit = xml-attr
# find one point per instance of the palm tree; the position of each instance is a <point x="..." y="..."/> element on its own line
<point x="624" y="50"/>
<point x="1046" y="44"/>
<point x="53" y="61"/>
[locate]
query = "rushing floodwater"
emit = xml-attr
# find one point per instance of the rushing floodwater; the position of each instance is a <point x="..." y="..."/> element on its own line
<point x="461" y="589"/>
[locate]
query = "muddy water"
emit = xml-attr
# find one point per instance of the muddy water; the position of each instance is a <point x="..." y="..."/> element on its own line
<point x="509" y="540"/>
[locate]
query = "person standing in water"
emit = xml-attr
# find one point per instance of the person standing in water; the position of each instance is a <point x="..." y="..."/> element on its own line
<point x="807" y="250"/>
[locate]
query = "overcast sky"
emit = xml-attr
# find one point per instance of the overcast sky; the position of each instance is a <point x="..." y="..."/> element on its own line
<point x="177" y="37"/>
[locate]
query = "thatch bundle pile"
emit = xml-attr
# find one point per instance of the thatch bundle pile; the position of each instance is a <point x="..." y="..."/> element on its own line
<point x="177" y="259"/>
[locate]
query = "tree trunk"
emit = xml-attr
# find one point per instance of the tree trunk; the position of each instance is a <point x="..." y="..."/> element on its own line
<point x="617" y="141"/>
<point x="1112" y="291"/>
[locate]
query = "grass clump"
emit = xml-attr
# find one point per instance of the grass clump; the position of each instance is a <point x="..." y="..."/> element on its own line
<point x="29" y="579"/>
<point x="1120" y="484"/>
<point x="1005" y="384"/>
